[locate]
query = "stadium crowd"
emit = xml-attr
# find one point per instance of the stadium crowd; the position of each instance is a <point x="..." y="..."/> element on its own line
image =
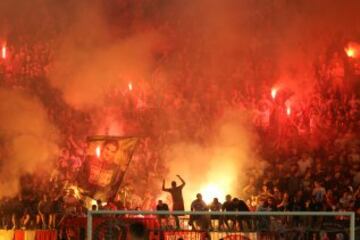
<point x="310" y="144"/>
<point x="312" y="152"/>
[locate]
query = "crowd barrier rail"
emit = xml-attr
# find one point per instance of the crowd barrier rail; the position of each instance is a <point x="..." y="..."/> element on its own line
<point x="118" y="221"/>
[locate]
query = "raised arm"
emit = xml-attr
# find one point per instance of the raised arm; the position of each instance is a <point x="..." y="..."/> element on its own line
<point x="163" y="186"/>
<point x="182" y="181"/>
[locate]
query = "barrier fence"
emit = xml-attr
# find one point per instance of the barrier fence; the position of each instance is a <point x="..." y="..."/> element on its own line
<point x="165" y="225"/>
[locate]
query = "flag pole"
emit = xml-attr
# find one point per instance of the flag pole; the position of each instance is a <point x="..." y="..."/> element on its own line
<point x="123" y="175"/>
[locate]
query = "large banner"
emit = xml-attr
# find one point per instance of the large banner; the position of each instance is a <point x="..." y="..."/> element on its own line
<point x="106" y="161"/>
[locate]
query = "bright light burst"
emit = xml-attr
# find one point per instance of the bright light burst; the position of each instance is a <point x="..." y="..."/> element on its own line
<point x="3" y="52"/>
<point x="288" y="110"/>
<point x="93" y="202"/>
<point x="211" y="191"/>
<point x="273" y="93"/>
<point x="98" y="151"/>
<point x="352" y="50"/>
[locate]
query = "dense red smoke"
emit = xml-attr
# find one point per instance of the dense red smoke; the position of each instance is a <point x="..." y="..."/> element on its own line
<point x="170" y="71"/>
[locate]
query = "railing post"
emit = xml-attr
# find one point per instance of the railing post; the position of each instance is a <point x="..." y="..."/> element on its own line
<point x="89" y="226"/>
<point x="352" y="226"/>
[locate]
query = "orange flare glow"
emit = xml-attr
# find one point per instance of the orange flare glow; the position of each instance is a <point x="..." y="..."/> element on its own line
<point x="273" y="93"/>
<point x="212" y="191"/>
<point x="130" y="86"/>
<point x="3" y="52"/>
<point x="98" y="151"/>
<point x="288" y="110"/>
<point x="352" y="50"/>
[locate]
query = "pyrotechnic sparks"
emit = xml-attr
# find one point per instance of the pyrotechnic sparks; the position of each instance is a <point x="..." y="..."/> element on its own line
<point x="212" y="191"/>
<point x="98" y="151"/>
<point x="3" y="51"/>
<point x="273" y="93"/>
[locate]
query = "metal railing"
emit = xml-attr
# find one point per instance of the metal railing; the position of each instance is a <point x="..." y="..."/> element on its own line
<point x="255" y="217"/>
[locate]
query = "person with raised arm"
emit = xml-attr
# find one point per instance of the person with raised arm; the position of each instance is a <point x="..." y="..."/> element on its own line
<point x="177" y="197"/>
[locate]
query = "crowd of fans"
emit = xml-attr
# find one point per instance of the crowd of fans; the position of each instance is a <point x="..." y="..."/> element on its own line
<point x="310" y="144"/>
<point x="312" y="153"/>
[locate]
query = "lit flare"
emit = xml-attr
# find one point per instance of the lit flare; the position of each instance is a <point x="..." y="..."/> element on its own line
<point x="288" y="110"/>
<point x="98" y="151"/>
<point x="273" y="93"/>
<point x="3" y="52"/>
<point x="352" y="50"/>
<point x="211" y="191"/>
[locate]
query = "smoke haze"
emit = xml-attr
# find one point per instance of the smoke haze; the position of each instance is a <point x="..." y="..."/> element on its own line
<point x="217" y="168"/>
<point x="28" y="139"/>
<point x="182" y="48"/>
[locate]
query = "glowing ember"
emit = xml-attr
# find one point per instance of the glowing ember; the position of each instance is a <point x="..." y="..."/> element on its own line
<point x="273" y="93"/>
<point x="212" y="191"/>
<point x="288" y="110"/>
<point x="98" y="151"/>
<point x="130" y="86"/>
<point x="3" y="52"/>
